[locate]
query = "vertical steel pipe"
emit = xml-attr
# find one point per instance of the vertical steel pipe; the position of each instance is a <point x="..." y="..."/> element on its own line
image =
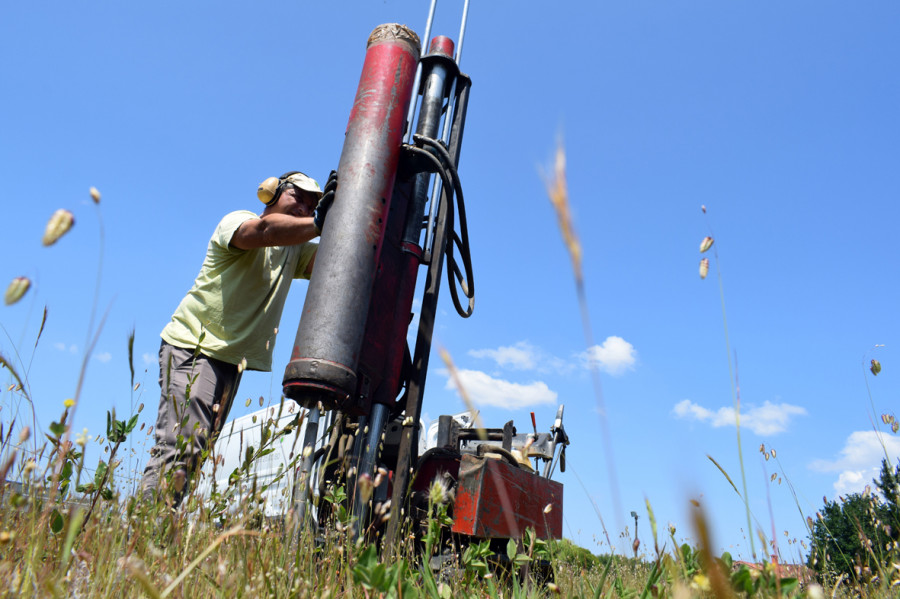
<point x="368" y="460"/>
<point x="434" y="92"/>
<point x="326" y="350"/>
<point x="302" y="484"/>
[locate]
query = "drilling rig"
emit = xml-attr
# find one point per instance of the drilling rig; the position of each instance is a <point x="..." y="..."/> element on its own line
<point x="399" y="208"/>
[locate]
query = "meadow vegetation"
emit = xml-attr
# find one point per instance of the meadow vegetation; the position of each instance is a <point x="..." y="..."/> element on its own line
<point x="68" y="529"/>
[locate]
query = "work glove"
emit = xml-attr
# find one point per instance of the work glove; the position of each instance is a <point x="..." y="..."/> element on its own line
<point x="325" y="202"/>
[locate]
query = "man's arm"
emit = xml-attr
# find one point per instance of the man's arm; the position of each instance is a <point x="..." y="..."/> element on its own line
<point x="274" y="229"/>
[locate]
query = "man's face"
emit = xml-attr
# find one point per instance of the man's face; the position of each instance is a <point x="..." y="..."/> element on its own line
<point x="296" y="202"/>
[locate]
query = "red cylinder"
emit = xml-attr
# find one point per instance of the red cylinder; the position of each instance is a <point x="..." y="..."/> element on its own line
<point x="441" y="44"/>
<point x="329" y="338"/>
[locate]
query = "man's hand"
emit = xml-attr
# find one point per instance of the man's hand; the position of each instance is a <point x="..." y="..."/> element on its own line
<point x="326" y="201"/>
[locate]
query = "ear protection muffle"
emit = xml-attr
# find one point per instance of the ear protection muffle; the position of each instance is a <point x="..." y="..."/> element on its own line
<point x="268" y="190"/>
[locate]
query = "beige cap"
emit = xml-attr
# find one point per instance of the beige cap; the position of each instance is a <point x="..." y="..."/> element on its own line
<point x="304" y="182"/>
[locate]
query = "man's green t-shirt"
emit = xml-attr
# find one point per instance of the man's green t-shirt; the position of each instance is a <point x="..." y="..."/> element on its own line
<point x="238" y="297"/>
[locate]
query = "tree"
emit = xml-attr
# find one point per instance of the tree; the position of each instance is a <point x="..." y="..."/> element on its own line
<point x="888" y="484"/>
<point x="855" y="535"/>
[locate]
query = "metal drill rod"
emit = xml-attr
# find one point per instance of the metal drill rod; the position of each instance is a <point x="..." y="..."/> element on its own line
<point x="415" y="98"/>
<point x="459" y="47"/>
<point x="462" y="32"/>
<point x="304" y="476"/>
<point x="368" y="462"/>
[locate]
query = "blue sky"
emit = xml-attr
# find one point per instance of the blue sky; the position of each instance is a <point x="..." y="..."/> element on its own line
<point x="780" y="118"/>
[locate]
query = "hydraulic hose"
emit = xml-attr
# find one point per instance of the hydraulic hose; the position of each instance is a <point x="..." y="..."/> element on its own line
<point x="450" y="179"/>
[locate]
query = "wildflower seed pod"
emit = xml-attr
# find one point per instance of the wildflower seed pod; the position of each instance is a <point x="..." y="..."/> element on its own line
<point x="706" y="244"/>
<point x="57" y="226"/>
<point x="95" y="195"/>
<point x="16" y="290"/>
<point x="704" y="268"/>
<point x="876" y="367"/>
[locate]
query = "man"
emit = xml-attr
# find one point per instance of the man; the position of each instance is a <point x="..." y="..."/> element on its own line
<point x="228" y="320"/>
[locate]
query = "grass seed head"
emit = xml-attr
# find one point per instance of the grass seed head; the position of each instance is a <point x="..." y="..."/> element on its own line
<point x="559" y="197"/>
<point x="16" y="290"/>
<point x="58" y="225"/>
<point x="366" y="486"/>
<point x="876" y="367"/>
<point x="82" y="439"/>
<point x="25" y="434"/>
<point x="95" y="195"/>
<point x="704" y="268"/>
<point x="706" y="244"/>
<point x="438" y="493"/>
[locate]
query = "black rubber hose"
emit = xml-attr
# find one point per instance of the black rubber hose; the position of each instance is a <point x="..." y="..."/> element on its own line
<point x="461" y="241"/>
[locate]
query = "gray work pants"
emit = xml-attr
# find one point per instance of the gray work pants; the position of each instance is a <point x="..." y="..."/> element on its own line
<point x="196" y="394"/>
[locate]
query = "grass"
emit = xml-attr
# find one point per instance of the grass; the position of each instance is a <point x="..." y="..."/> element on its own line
<point x="69" y="531"/>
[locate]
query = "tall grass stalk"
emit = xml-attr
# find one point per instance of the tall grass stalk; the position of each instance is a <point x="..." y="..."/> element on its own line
<point x="735" y="391"/>
<point x="558" y="192"/>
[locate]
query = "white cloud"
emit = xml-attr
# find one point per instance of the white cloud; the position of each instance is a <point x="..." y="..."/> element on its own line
<point x="767" y="419"/>
<point x="521" y="356"/>
<point x="854" y="481"/>
<point x="485" y="390"/>
<point x="614" y="356"/>
<point x="72" y="349"/>
<point x="860" y="460"/>
<point x="103" y="357"/>
<point x="148" y="358"/>
<point x="524" y="356"/>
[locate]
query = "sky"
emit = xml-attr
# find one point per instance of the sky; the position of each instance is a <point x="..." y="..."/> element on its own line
<point x="779" y="118"/>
